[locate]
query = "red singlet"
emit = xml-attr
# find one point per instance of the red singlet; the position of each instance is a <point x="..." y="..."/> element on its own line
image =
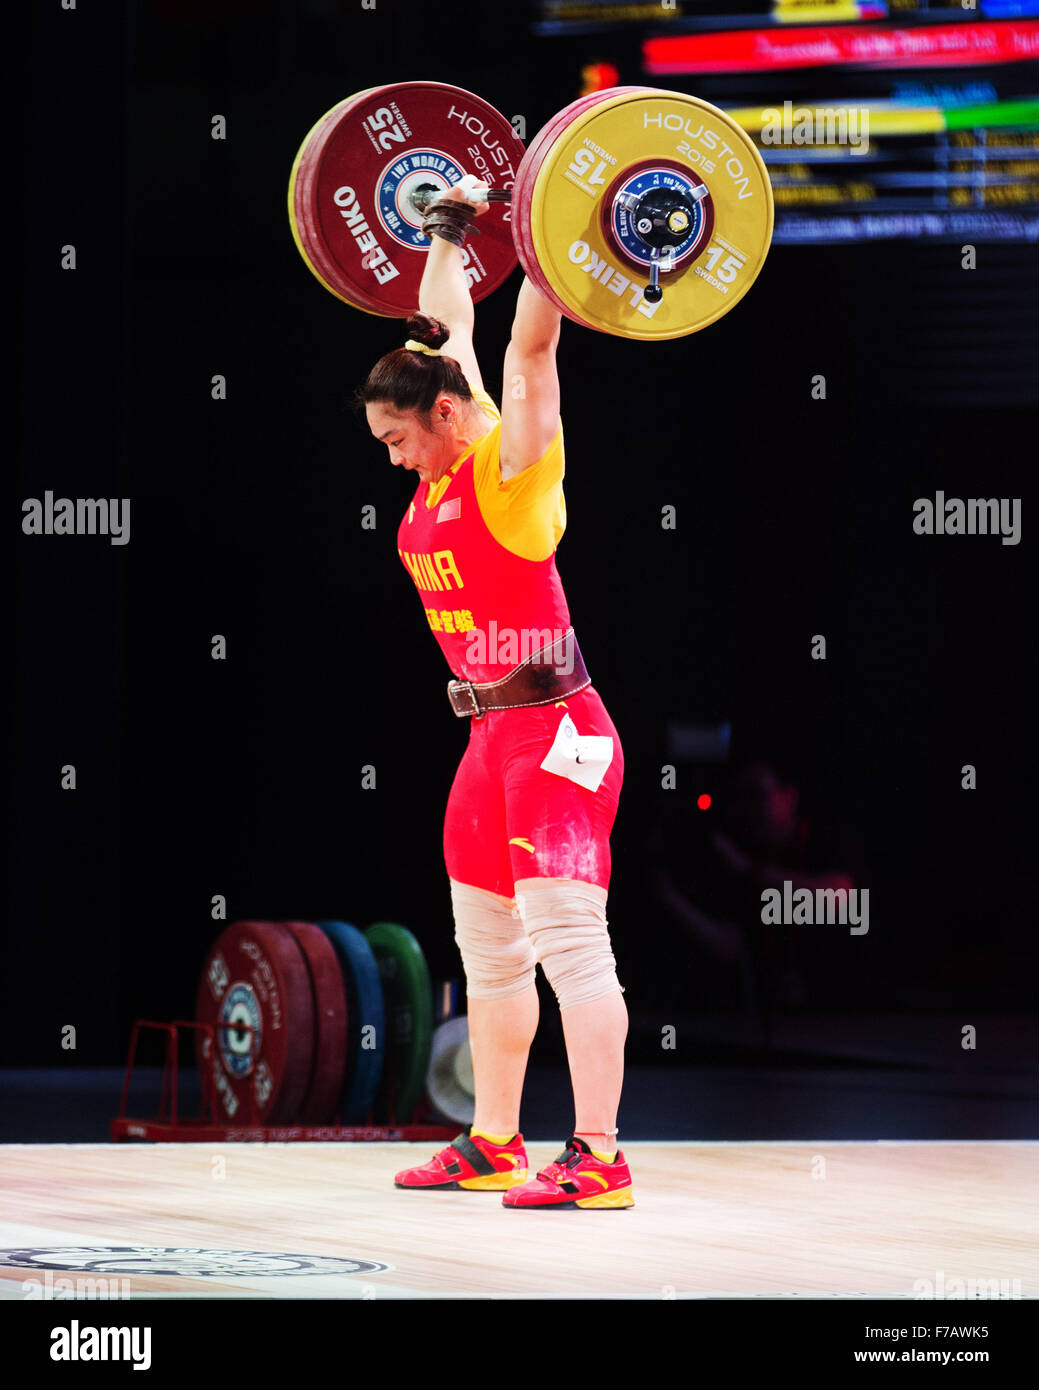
<point x="481" y="551"/>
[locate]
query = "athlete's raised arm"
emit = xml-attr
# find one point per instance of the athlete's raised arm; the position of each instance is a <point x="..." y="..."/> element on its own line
<point x="444" y="293"/>
<point x="530" y="393"/>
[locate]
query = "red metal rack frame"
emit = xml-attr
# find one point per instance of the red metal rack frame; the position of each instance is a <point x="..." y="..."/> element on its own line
<point x="168" y="1127"/>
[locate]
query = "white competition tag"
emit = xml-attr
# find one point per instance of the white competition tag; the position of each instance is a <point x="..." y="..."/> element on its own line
<point x="584" y="758"/>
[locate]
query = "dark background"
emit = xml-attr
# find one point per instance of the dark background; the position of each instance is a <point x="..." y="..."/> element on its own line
<point x="242" y="777"/>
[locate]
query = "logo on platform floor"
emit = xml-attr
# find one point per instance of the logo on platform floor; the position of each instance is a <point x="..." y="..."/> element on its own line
<point x="187" y="1262"/>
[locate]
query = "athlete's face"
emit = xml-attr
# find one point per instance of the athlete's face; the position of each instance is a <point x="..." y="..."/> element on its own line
<point x="411" y="446"/>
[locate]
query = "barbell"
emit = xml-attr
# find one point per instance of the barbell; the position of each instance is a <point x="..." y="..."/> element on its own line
<point x="638" y="212"/>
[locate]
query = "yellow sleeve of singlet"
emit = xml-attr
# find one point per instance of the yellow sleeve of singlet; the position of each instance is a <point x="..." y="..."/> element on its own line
<point x="527" y="512"/>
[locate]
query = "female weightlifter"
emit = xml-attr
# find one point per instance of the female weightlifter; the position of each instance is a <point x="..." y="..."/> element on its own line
<point x="526" y="846"/>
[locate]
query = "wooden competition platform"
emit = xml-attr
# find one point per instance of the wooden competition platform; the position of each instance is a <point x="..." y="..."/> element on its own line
<point x="711" y="1219"/>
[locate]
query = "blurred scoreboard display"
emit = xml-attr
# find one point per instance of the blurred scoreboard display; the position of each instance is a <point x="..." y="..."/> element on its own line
<point x="877" y="119"/>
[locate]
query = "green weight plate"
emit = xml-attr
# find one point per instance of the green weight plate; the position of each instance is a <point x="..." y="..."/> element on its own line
<point x="408" y="993"/>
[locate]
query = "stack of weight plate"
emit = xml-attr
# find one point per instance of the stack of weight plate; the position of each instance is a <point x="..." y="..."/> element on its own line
<point x="316" y="1023"/>
<point x="621" y="186"/>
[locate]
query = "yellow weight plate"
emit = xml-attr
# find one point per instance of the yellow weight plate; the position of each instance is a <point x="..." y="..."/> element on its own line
<point x="642" y="141"/>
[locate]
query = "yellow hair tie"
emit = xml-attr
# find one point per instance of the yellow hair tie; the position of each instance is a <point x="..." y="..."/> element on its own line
<point x="414" y="346"/>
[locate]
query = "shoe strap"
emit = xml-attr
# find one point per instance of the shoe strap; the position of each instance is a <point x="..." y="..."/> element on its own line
<point x="474" y="1156"/>
<point x="555" y="1172"/>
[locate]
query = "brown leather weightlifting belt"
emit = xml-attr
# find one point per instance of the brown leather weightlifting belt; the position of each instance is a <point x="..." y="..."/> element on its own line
<point x="536" y="681"/>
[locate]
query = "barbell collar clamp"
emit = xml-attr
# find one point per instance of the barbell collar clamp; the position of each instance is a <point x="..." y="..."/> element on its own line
<point x="662" y="261"/>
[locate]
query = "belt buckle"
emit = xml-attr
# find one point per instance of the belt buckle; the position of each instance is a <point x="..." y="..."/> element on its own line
<point x="460" y="689"/>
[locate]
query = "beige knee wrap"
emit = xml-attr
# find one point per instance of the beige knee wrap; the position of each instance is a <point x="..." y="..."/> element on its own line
<point x="496" y="955"/>
<point x="566" y="924"/>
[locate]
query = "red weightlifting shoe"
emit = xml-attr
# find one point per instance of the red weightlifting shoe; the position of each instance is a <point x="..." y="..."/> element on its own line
<point x="476" y="1164"/>
<point x="576" y="1179"/>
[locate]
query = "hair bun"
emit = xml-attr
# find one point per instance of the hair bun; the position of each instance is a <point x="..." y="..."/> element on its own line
<point x="426" y="329"/>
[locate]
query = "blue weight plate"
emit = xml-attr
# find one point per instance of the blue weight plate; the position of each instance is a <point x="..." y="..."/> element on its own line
<point x="365" y="1010"/>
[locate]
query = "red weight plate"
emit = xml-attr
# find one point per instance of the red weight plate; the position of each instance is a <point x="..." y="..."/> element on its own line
<point x="301" y="194"/>
<point x="357" y="170"/>
<point x="525" y="174"/>
<point x="255" y="974"/>
<point x="330" y="1024"/>
<point x="523" y="192"/>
